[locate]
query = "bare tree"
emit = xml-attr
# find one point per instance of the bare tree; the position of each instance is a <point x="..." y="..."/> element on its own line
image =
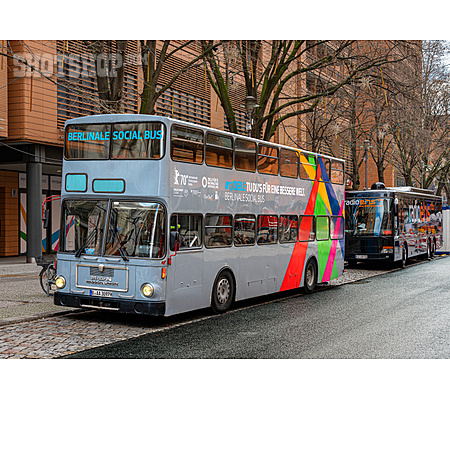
<point x="420" y="124"/>
<point x="109" y="57"/>
<point x="154" y="57"/>
<point x="272" y="70"/>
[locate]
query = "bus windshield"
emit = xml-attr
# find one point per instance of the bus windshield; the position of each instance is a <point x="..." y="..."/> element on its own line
<point x="368" y="216"/>
<point x="83" y="222"/>
<point x="134" y="229"/>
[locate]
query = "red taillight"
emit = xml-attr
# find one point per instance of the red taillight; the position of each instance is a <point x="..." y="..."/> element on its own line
<point x="163" y="273"/>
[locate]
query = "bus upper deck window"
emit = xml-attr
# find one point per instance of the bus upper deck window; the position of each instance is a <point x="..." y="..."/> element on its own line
<point x="307" y="167"/>
<point x="187" y="145"/>
<point x="337" y="172"/>
<point x="324" y="164"/>
<point x="245" y="155"/>
<point x="288" y="163"/>
<point x="143" y="140"/>
<point x="87" y="141"/>
<point x="268" y="160"/>
<point x="219" y="150"/>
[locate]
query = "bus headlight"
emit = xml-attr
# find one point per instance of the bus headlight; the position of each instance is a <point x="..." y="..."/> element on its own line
<point x="147" y="289"/>
<point x="60" y="282"/>
<point x="385" y="250"/>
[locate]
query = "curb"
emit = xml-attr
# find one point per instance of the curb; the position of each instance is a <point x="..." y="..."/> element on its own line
<point x="34" y="317"/>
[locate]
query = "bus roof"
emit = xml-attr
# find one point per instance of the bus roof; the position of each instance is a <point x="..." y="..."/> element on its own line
<point x="397" y="189"/>
<point x="121" y="118"/>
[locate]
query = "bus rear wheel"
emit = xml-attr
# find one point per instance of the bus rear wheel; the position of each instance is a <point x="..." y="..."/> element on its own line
<point x="223" y="293"/>
<point x="310" y="276"/>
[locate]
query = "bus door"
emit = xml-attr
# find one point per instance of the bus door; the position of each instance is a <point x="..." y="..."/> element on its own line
<point x="185" y="272"/>
<point x="397" y="229"/>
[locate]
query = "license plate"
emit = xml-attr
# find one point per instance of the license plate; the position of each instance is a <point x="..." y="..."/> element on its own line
<point x="97" y="293"/>
<point x="361" y="256"/>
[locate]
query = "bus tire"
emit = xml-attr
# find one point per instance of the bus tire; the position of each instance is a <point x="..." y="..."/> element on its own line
<point x="223" y="292"/>
<point x="432" y="248"/>
<point x="428" y="256"/>
<point x="310" y="276"/>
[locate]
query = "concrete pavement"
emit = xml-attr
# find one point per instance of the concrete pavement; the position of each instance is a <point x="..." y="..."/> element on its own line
<point x="21" y="296"/>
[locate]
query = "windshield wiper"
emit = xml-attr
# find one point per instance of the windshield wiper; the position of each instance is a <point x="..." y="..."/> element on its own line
<point x="121" y="250"/>
<point x="86" y="242"/>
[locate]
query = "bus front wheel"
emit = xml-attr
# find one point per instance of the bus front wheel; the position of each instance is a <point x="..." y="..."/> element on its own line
<point x="223" y="293"/>
<point x="310" y="276"/>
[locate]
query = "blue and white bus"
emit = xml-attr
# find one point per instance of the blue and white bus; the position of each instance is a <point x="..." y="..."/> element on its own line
<point x="161" y="216"/>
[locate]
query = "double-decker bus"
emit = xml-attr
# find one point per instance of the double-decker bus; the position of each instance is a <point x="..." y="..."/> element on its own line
<point x="391" y="224"/>
<point x="161" y="216"/>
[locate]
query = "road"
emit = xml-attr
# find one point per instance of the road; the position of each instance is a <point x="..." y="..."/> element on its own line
<point x="403" y="314"/>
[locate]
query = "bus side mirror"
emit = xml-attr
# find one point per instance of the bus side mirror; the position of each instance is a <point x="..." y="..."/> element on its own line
<point x="46" y="218"/>
<point x="174" y="241"/>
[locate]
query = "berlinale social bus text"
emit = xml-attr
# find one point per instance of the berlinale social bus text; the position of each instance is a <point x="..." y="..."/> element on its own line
<point x="161" y="216"/>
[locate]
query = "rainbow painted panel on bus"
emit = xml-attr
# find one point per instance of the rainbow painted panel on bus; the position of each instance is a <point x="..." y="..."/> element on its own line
<point x="322" y="201"/>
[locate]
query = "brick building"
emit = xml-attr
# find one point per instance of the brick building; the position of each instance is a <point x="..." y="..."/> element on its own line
<point x="44" y="83"/>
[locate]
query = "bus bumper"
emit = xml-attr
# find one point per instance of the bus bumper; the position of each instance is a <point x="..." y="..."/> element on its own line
<point x="369" y="257"/>
<point x="110" y="304"/>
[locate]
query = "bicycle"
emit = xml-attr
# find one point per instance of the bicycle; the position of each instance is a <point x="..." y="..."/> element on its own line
<point x="47" y="275"/>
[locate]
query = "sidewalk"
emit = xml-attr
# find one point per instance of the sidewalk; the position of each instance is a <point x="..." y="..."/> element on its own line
<point x="21" y="296"/>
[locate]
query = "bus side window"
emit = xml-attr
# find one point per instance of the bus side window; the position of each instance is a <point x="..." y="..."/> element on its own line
<point x="288" y="163"/>
<point x="288" y="228"/>
<point x="307" y="167"/>
<point x="323" y="228"/>
<point x="189" y="227"/>
<point x="267" y="230"/>
<point x="307" y="228"/>
<point x="218" y="230"/>
<point x="186" y="145"/>
<point x="219" y="150"/>
<point x="245" y="155"/>
<point x="337" y="172"/>
<point x="337" y="227"/>
<point x="268" y="160"/>
<point x="244" y="230"/>
<point x="324" y="164"/>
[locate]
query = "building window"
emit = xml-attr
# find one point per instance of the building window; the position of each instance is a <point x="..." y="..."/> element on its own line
<point x="179" y="105"/>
